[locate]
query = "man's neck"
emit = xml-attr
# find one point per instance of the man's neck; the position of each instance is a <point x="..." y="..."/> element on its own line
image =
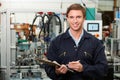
<point x="76" y="34"/>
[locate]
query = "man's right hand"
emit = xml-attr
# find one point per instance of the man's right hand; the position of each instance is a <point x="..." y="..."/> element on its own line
<point x="61" y="70"/>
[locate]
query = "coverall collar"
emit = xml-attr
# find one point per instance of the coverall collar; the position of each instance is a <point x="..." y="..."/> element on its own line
<point x="85" y="34"/>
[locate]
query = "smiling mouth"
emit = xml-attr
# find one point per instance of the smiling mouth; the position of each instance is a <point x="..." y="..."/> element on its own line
<point x="75" y="25"/>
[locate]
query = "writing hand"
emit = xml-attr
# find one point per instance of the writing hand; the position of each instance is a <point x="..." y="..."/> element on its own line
<point x="75" y="65"/>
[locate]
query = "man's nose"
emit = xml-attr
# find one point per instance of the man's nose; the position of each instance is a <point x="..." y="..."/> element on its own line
<point x="75" y="19"/>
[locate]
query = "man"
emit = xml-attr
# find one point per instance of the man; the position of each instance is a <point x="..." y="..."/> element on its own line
<point x="76" y="50"/>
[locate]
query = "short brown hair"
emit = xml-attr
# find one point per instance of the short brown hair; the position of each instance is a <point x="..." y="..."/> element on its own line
<point x="76" y="6"/>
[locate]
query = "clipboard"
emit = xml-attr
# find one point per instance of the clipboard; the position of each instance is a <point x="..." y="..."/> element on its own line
<point x="52" y="63"/>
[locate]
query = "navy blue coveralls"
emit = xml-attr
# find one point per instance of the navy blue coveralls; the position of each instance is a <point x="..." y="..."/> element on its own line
<point x="90" y="52"/>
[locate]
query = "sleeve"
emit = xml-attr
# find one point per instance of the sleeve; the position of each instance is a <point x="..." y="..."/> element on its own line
<point x="99" y="69"/>
<point x="51" y="55"/>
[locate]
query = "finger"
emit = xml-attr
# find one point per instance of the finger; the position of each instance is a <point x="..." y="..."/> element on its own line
<point x="74" y="62"/>
<point x="57" y="67"/>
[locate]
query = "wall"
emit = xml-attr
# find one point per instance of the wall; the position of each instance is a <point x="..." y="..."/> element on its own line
<point x="105" y="5"/>
<point x="118" y="3"/>
<point x="56" y="5"/>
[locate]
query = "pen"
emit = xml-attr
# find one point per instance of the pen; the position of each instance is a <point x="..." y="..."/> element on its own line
<point x="69" y="69"/>
<point x="78" y="60"/>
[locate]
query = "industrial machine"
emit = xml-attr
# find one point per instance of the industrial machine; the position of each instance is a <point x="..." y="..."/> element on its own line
<point x="112" y="50"/>
<point x="24" y="40"/>
<point x="94" y="27"/>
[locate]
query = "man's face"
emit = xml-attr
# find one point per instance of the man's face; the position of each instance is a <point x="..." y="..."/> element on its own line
<point x="75" y="19"/>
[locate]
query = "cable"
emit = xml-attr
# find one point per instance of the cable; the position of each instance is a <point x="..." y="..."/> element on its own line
<point x="31" y="26"/>
<point x="50" y="19"/>
<point x="45" y="25"/>
<point x="87" y="9"/>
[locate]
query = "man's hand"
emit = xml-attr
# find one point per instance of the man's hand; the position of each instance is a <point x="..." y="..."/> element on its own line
<point x="75" y="65"/>
<point x="61" y="70"/>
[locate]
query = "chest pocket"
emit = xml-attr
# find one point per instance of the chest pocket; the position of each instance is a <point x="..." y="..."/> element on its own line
<point x="86" y="55"/>
<point x="66" y="55"/>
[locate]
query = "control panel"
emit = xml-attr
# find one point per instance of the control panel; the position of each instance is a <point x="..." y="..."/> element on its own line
<point x="94" y="27"/>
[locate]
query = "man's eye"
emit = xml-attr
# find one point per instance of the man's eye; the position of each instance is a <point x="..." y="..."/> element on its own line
<point x="71" y="17"/>
<point x="78" y="17"/>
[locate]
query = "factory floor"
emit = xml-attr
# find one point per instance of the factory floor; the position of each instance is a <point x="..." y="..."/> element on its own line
<point x="42" y="77"/>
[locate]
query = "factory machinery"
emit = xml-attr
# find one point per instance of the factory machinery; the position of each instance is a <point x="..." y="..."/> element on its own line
<point x="22" y="43"/>
<point x="112" y="50"/>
